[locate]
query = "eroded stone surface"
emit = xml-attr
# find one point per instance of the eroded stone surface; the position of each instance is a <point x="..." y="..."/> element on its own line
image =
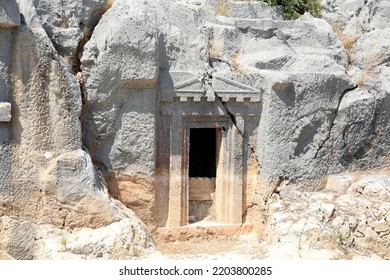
<point x="9" y="14"/>
<point x="5" y="112"/>
<point x="125" y="239"/>
<point x="47" y="180"/>
<point x="344" y="224"/>
<point x="126" y="80"/>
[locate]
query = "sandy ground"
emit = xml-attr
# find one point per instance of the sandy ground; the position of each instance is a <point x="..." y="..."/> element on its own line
<point x="212" y="247"/>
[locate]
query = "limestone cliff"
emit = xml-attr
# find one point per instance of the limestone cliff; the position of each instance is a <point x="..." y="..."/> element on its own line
<point x="98" y="100"/>
<point x="52" y="195"/>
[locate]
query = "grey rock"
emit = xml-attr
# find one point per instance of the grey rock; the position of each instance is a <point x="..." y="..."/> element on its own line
<point x="17" y="238"/>
<point x="65" y="22"/>
<point x="45" y="164"/>
<point x="255" y="10"/>
<point x="121" y="108"/>
<point x="121" y="69"/>
<point x="5" y="61"/>
<point x="378" y="14"/>
<point x="355" y="220"/>
<point x="361" y="30"/>
<point x="300" y="99"/>
<point x="352" y="125"/>
<point x="5" y="112"/>
<point x="125" y="239"/>
<point x="9" y="14"/>
<point x="377" y="42"/>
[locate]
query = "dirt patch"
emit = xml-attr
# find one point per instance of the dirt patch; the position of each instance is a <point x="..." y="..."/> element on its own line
<point x="201" y="247"/>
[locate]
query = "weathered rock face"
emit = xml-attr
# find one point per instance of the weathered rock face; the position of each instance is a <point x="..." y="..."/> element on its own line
<point x="361" y="28"/>
<point x="65" y="22"/>
<point x="101" y="96"/>
<point x="9" y="14"/>
<point x="47" y="182"/>
<point x="120" y="68"/>
<point x="347" y="220"/>
<point x="301" y="77"/>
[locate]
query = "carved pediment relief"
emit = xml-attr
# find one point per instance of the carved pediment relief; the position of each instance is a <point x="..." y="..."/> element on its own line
<point x="186" y="86"/>
<point x="190" y="85"/>
<point x="191" y="88"/>
<point x="183" y="86"/>
<point x="228" y="89"/>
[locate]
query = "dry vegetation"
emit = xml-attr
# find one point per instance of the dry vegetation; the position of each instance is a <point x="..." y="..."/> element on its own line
<point x="365" y="75"/>
<point x="222" y="9"/>
<point x="236" y="65"/>
<point x="348" y="43"/>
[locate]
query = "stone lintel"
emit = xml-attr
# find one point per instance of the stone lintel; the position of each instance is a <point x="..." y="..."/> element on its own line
<point x="5" y="111"/>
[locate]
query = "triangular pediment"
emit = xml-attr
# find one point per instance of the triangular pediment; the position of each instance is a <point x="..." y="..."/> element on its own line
<point x="226" y="89"/>
<point x="186" y="86"/>
<point x="190" y="85"/>
<point x="186" y="81"/>
<point x="183" y="85"/>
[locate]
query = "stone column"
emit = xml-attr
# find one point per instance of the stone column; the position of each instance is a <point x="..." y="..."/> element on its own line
<point x="235" y="216"/>
<point x="175" y="212"/>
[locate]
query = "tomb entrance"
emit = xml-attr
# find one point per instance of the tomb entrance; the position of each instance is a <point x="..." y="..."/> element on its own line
<point x="202" y="160"/>
<point x="202" y="172"/>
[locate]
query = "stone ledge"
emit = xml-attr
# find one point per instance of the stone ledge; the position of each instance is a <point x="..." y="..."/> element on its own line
<point x="5" y="112"/>
<point x="9" y="14"/>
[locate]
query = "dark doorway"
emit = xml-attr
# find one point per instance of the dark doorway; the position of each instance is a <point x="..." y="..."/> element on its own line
<point x="202" y="162"/>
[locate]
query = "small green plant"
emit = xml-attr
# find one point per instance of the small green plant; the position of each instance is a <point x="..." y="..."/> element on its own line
<point x="292" y="9"/>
